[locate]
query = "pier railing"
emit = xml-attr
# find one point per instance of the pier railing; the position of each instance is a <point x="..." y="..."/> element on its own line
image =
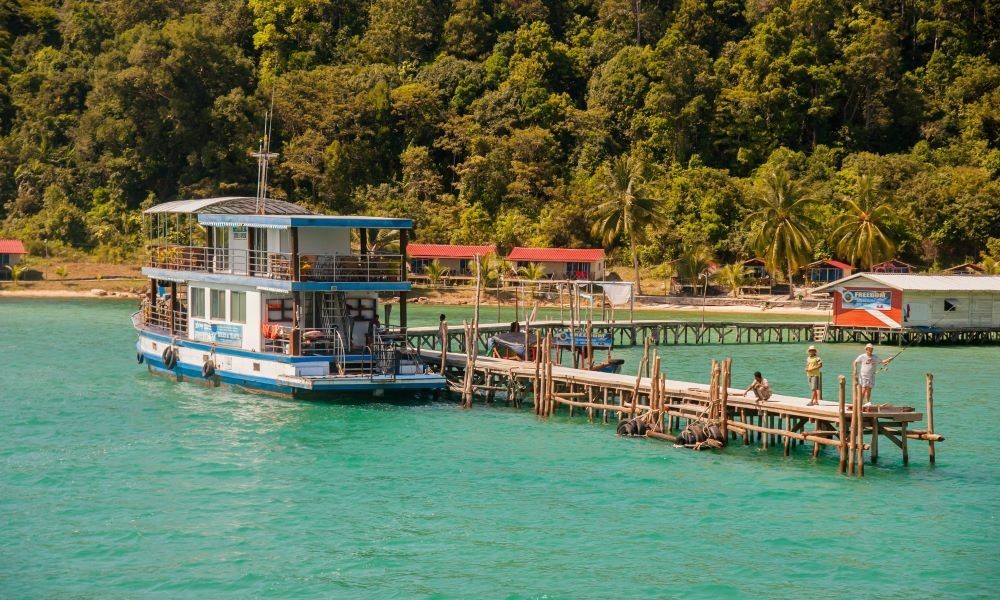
<point x="277" y="265"/>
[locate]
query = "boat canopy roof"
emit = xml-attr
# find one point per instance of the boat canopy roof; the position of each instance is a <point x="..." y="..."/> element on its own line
<point x="228" y="205"/>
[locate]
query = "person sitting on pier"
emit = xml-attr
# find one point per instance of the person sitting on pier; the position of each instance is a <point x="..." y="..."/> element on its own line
<point x="814" y="366"/>
<point x="867" y="364"/>
<point x="760" y="388"/>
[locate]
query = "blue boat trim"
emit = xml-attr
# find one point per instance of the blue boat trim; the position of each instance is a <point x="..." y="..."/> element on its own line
<point x="266" y="384"/>
<point x="277" y="284"/>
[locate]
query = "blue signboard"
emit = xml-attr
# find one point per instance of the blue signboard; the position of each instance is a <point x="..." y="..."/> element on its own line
<point x="218" y="333"/>
<point x="866" y="299"/>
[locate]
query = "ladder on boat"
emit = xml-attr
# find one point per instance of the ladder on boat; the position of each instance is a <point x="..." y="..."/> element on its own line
<point x="333" y="312"/>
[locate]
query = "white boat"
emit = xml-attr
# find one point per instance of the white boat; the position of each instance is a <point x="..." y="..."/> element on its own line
<point x="270" y="297"/>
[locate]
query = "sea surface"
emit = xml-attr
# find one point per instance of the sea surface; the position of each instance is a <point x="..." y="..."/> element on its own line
<point x="116" y="484"/>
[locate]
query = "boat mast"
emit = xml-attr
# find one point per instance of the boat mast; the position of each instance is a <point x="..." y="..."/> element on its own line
<point x="264" y="156"/>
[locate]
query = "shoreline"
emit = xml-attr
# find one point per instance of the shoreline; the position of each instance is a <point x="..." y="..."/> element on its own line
<point x="736" y="308"/>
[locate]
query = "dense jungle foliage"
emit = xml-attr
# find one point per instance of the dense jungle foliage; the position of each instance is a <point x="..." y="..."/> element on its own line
<point x="792" y="129"/>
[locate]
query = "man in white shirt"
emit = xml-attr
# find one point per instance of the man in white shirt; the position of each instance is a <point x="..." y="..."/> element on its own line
<point x="867" y="364"/>
<point x="760" y="388"/>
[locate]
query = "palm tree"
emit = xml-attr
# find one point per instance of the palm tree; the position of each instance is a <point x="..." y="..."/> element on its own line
<point x="990" y="265"/>
<point x="781" y="230"/>
<point x="435" y="271"/>
<point x="628" y="209"/>
<point x="492" y="269"/>
<point x="15" y="272"/>
<point x="694" y="262"/>
<point x="732" y="276"/>
<point x="533" y="271"/>
<point x="863" y="234"/>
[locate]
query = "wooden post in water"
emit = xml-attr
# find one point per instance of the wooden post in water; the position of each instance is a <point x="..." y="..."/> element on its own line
<point x="930" y="417"/>
<point x="842" y="425"/>
<point x="536" y="384"/>
<point x="590" y="345"/>
<point x="851" y="454"/>
<point x="724" y="425"/>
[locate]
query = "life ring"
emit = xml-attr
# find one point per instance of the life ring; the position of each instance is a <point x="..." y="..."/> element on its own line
<point x="169" y="357"/>
<point x="208" y="369"/>
<point x="139" y="357"/>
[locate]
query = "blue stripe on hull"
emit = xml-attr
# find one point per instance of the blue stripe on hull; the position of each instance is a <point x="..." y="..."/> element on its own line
<point x="322" y="390"/>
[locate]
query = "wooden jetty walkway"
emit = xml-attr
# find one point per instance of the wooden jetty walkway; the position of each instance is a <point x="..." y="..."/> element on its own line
<point x="634" y="332"/>
<point x="685" y="413"/>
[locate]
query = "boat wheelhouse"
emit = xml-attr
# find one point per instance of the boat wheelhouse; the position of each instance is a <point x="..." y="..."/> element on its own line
<point x="272" y="297"/>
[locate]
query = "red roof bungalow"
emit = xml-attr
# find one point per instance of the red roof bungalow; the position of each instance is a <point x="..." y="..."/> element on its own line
<point x="562" y="263"/>
<point x="459" y="260"/>
<point x="825" y="271"/>
<point x="11" y="252"/>
<point x="965" y="269"/>
<point x="893" y="266"/>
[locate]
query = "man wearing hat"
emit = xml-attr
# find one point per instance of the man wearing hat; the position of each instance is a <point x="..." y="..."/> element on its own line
<point x="814" y="366"/>
<point x="867" y="364"/>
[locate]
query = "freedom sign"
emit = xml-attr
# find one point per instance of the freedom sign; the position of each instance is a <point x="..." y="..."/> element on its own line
<point x="866" y="299"/>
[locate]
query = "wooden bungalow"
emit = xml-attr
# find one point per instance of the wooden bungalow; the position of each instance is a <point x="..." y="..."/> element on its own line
<point x="827" y="270"/>
<point x="967" y="268"/>
<point x="893" y="266"/>
<point x="459" y="260"/>
<point x="11" y="252"/>
<point x="562" y="263"/>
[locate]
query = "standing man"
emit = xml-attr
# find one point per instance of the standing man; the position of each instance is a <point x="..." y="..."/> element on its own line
<point x="867" y="364"/>
<point x="814" y="366"/>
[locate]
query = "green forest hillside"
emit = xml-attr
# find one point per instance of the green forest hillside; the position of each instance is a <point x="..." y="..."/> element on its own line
<point x="790" y="129"/>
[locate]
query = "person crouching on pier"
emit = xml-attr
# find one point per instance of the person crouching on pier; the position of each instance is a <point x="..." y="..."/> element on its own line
<point x="760" y="388"/>
<point x="867" y="364"/>
<point x="814" y="367"/>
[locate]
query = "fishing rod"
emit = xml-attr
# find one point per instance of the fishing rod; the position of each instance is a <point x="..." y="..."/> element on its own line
<point x="885" y="365"/>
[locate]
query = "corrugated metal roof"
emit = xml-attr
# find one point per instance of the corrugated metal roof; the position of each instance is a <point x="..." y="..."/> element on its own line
<point x="448" y="251"/>
<point x="11" y="247"/>
<point x="557" y="254"/>
<point x="910" y="282"/>
<point x="229" y="205"/>
<point x="835" y="263"/>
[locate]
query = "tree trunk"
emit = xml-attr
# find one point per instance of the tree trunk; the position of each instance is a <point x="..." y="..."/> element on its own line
<point x="635" y="265"/>
<point x="791" y="288"/>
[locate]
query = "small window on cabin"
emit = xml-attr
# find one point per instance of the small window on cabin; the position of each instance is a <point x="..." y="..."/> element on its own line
<point x="219" y="305"/>
<point x="238" y="307"/>
<point x="198" y="302"/>
<point x="950" y="305"/>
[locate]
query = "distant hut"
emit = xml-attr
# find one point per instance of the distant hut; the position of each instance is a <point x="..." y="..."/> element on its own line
<point x="11" y="252"/>
<point x="827" y="270"/>
<point x="894" y="266"/>
<point x="459" y="260"/>
<point x="562" y="263"/>
<point x="966" y="268"/>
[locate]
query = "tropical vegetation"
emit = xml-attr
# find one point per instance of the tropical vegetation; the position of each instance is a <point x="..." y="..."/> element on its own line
<point x="647" y="127"/>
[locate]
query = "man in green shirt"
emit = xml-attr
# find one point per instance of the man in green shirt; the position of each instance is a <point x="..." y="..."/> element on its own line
<point x="814" y="366"/>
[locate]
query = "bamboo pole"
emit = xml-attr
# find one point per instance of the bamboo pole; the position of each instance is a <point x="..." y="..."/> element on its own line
<point x="661" y="436"/>
<point x="536" y="382"/>
<point x="842" y="425"/>
<point x="645" y="353"/>
<point x="590" y="345"/>
<point x="805" y="437"/>
<point x="851" y="454"/>
<point x="930" y="416"/>
<point x="724" y="408"/>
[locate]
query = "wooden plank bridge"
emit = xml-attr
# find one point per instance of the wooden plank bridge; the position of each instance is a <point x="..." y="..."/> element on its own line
<point x="634" y="332"/>
<point x="668" y="409"/>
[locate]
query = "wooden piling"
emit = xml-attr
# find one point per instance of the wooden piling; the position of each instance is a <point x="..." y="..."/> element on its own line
<point x="930" y="416"/>
<point x="842" y="425"/>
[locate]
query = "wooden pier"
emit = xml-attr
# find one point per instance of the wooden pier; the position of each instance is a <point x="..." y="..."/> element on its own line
<point x="633" y="333"/>
<point x="686" y="413"/>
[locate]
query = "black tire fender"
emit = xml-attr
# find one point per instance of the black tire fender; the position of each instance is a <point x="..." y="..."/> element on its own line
<point x="208" y="369"/>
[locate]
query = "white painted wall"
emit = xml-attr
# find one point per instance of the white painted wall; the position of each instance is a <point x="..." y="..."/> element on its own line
<point x="324" y="240"/>
<point x="973" y="309"/>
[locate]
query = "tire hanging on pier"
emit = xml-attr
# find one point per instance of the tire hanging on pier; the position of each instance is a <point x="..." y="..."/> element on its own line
<point x="630" y="427"/>
<point x="208" y="369"/>
<point x="139" y="357"/>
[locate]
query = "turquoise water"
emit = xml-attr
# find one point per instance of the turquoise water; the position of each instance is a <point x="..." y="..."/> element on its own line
<point x="117" y="484"/>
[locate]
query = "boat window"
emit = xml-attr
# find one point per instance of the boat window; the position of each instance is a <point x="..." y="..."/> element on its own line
<point x="238" y="307"/>
<point x="198" y="302"/>
<point x="219" y="305"/>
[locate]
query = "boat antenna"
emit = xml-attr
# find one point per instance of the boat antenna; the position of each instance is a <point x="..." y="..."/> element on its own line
<point x="264" y="156"/>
